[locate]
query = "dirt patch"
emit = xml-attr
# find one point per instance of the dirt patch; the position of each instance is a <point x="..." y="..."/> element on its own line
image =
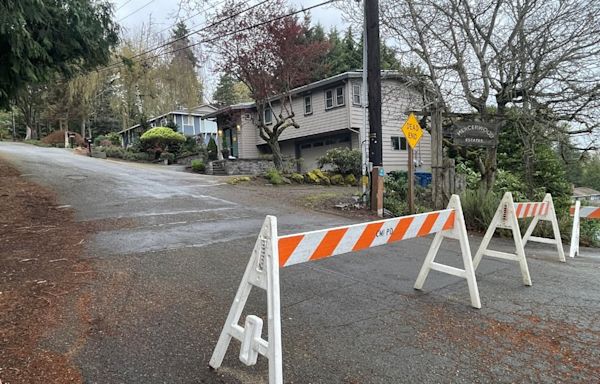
<point x="40" y="271"/>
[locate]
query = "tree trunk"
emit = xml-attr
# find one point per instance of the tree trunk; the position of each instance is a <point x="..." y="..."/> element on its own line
<point x="277" y="157"/>
<point x="82" y="127"/>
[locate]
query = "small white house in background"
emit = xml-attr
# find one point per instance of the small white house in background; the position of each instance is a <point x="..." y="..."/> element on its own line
<point x="330" y="115"/>
<point x="189" y="122"/>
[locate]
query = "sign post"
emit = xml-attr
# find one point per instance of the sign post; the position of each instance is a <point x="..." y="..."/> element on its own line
<point x="413" y="133"/>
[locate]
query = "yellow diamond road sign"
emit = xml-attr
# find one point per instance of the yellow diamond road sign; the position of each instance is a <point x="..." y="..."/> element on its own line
<point x="412" y="130"/>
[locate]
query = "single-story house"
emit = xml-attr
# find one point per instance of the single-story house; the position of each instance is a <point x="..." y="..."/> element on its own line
<point x="188" y="121"/>
<point x="330" y="115"/>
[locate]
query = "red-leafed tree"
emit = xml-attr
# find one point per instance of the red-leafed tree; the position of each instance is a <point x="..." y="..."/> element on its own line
<point x="268" y="51"/>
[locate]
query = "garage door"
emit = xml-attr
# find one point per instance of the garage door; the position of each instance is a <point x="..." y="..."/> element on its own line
<point x="310" y="151"/>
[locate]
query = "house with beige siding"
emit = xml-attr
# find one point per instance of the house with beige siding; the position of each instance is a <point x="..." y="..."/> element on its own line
<point x="330" y="115"/>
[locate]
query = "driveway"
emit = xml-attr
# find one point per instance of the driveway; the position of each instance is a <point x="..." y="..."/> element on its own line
<point x="165" y="282"/>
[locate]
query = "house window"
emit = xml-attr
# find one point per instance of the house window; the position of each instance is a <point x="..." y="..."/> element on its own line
<point x="339" y="96"/>
<point x="399" y="143"/>
<point x="268" y="116"/>
<point x="329" y="99"/>
<point x="337" y="101"/>
<point x="186" y="120"/>
<point x="356" y="94"/>
<point x="317" y="144"/>
<point x="307" y="105"/>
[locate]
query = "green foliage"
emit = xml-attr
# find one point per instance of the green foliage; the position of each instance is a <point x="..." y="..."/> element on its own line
<point x="116" y="152"/>
<point x="337" y="179"/>
<point x="170" y="157"/>
<point x="350" y="179"/>
<point x="114" y="138"/>
<point x="296" y="177"/>
<point x="135" y="156"/>
<point x="229" y="91"/>
<point x="395" y="206"/>
<point x="508" y="182"/>
<point x="396" y="185"/>
<point x="323" y="179"/>
<point x="40" y="39"/>
<point x="591" y="173"/>
<point x="472" y="177"/>
<point x="211" y="149"/>
<point x="479" y="208"/>
<point x="198" y="166"/>
<point x="274" y="176"/>
<point x="37" y="143"/>
<point x="342" y="160"/>
<point x="99" y="139"/>
<point x="162" y="138"/>
<point x="171" y="124"/>
<point x="311" y="178"/>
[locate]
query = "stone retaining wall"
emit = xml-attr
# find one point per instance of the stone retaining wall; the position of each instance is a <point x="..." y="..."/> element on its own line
<point x="241" y="166"/>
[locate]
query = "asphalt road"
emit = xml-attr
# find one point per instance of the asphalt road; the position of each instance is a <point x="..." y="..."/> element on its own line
<point x="165" y="283"/>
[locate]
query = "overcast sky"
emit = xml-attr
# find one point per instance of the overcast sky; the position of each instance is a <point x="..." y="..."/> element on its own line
<point x="132" y="14"/>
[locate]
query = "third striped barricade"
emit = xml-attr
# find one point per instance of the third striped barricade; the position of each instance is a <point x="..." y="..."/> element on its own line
<point x="578" y="212"/>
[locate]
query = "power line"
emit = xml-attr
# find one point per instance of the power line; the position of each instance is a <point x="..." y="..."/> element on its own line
<point x="122" y="5"/>
<point x="136" y="11"/>
<point x="188" y="34"/>
<point x="237" y="31"/>
<point x="194" y="15"/>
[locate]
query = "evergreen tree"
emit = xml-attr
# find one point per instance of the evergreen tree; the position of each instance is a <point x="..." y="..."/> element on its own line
<point x="229" y="91"/>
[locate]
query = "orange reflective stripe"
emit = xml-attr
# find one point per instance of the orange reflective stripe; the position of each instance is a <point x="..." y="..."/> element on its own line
<point x="595" y="214"/>
<point x="367" y="236"/>
<point x="400" y="229"/>
<point x="449" y="224"/>
<point x="519" y="209"/>
<point x="287" y="246"/>
<point x="572" y="211"/>
<point x="328" y="244"/>
<point x="526" y="214"/>
<point x="428" y="224"/>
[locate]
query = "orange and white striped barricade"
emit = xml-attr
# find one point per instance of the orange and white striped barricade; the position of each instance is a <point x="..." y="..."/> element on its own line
<point x="272" y="252"/>
<point x="507" y="217"/>
<point x="578" y="212"/>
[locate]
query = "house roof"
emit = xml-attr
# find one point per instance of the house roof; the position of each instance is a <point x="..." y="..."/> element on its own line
<point x="183" y="111"/>
<point x="321" y="83"/>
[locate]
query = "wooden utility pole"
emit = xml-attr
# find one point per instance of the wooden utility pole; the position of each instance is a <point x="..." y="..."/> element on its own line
<point x="374" y="80"/>
<point x="437" y="158"/>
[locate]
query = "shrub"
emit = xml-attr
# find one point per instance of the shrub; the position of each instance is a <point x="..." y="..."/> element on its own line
<point x="310" y="177"/>
<point x="135" y="156"/>
<point x="114" y="138"/>
<point x="506" y="181"/>
<point x="211" y="150"/>
<point x="98" y="140"/>
<point x="116" y="152"/>
<point x="237" y="180"/>
<point x="350" y="179"/>
<point x="296" y="177"/>
<point x="162" y="138"/>
<point x="479" y="208"/>
<point x="337" y="179"/>
<point x="342" y="160"/>
<point x="167" y="156"/>
<point x="198" y="166"/>
<point x="274" y="176"/>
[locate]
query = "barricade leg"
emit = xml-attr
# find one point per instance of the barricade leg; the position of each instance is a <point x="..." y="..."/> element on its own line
<point x="505" y="217"/>
<point x="262" y="271"/>
<point x="458" y="232"/>
<point x="556" y="229"/>
<point x="574" y="246"/>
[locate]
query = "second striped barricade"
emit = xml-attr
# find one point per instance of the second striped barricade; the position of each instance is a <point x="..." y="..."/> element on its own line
<point x="272" y="252"/>
<point x="578" y="212"/>
<point x="507" y="217"/>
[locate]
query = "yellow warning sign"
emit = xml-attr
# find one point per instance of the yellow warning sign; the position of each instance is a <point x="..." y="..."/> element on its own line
<point x="412" y="130"/>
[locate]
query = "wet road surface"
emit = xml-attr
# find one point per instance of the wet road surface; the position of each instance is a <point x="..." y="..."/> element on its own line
<point x="166" y="281"/>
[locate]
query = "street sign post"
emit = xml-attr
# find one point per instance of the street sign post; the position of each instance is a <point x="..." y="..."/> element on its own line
<point x="413" y="133"/>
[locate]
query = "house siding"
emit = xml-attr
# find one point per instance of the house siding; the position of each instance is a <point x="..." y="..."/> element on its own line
<point x="320" y="121"/>
<point x="247" y="138"/>
<point x="397" y="99"/>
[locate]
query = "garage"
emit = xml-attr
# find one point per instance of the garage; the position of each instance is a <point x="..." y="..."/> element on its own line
<point x="310" y="150"/>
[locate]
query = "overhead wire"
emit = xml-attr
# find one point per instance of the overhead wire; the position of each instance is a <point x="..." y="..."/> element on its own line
<point x="122" y="5"/>
<point x="187" y="35"/>
<point x="137" y="10"/>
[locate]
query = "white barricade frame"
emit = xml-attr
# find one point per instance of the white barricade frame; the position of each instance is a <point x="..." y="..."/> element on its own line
<point x="507" y="217"/>
<point x="579" y="212"/>
<point x="262" y="271"/>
